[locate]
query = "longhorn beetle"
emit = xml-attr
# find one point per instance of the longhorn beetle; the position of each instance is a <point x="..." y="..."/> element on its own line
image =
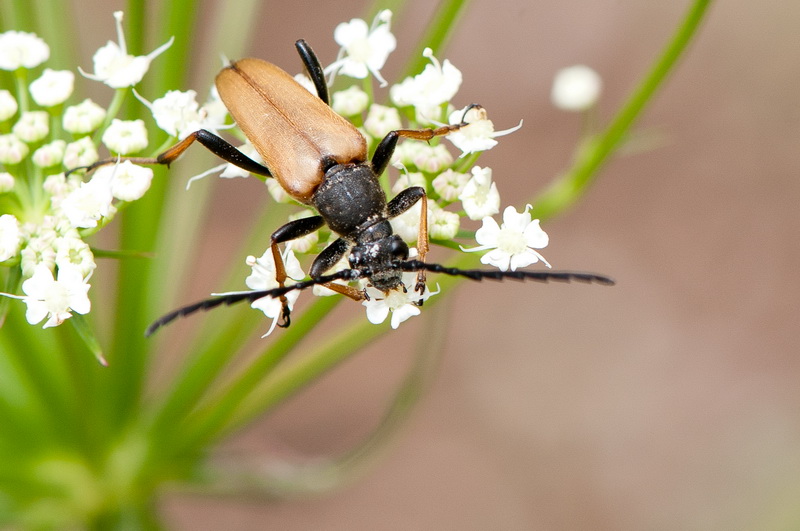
<point x="320" y="159"/>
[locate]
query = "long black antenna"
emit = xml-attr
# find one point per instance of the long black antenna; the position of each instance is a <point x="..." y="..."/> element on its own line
<point x="354" y="274"/>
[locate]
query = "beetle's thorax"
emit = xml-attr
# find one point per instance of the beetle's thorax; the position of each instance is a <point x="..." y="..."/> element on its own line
<point x="350" y="199"/>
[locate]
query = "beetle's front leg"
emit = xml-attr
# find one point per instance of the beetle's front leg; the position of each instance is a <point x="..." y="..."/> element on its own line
<point x="291" y="231"/>
<point x="215" y="144"/>
<point x="326" y="260"/>
<point x="401" y="203"/>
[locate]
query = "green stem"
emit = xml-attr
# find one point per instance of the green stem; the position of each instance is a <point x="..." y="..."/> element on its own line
<point x="439" y="30"/>
<point x="592" y="154"/>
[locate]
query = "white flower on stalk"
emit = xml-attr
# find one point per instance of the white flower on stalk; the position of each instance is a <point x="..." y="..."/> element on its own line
<point x="50" y="154"/>
<point x="480" y="197"/>
<point x="54" y="299"/>
<point x="83" y="118"/>
<point x="364" y="50"/>
<point x="576" y="88"/>
<point x="177" y="113"/>
<point x="115" y="67"/>
<point x="10" y="236"/>
<point x="6" y="183"/>
<point x="32" y="126"/>
<point x="263" y="278"/>
<point x="37" y="251"/>
<point x="90" y="202"/>
<point x="479" y="135"/>
<point x="449" y="184"/>
<point x="22" y="50"/>
<point x="402" y="303"/>
<point x="381" y="119"/>
<point x="512" y="244"/>
<point x="8" y="105"/>
<point x="80" y="153"/>
<point x="52" y="87"/>
<point x="350" y="102"/>
<point x="442" y="224"/>
<point x="125" y="136"/>
<point x="427" y="91"/>
<point x="432" y="159"/>
<point x="129" y="181"/>
<point x="72" y="251"/>
<point x="12" y="149"/>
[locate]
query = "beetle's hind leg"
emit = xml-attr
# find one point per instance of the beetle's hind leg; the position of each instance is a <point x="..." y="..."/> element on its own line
<point x="403" y="202"/>
<point x="314" y="69"/>
<point x="215" y="144"/>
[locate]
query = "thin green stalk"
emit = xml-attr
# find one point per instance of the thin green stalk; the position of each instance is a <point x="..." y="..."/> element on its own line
<point x="206" y="424"/>
<point x="592" y="154"/>
<point x="438" y="32"/>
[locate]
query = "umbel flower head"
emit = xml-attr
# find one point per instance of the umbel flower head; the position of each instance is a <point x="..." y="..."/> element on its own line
<point x="45" y="215"/>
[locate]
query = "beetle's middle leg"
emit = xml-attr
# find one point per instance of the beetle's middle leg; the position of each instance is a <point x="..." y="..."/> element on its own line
<point x="290" y="231"/>
<point x="215" y="144"/>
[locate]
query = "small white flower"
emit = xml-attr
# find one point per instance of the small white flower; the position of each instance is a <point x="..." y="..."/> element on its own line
<point x="85" y="206"/>
<point x="114" y="67"/>
<point x="52" y="87"/>
<point x="407" y="180"/>
<point x="125" y="136"/>
<point x="177" y="113"/>
<point x="129" y="181"/>
<point x="350" y="102"/>
<point x="442" y="224"/>
<point x="37" y="251"/>
<point x="402" y="303"/>
<point x="6" y="182"/>
<point x="263" y="277"/>
<point x="277" y="192"/>
<point x="50" y="154"/>
<point x="449" y="184"/>
<point x="306" y="83"/>
<point x="55" y="299"/>
<point x="381" y="119"/>
<point x="406" y="152"/>
<point x="480" y="197"/>
<point x="213" y="111"/>
<point x="364" y="50"/>
<point x="10" y="237"/>
<point x="427" y="91"/>
<point x="32" y="126"/>
<point x="479" y="135"/>
<point x="576" y="88"/>
<point x="513" y="244"/>
<point x="72" y="251"/>
<point x="432" y="159"/>
<point x="83" y="118"/>
<point x="22" y="50"/>
<point x="8" y="105"/>
<point x="80" y="153"/>
<point x="12" y="149"/>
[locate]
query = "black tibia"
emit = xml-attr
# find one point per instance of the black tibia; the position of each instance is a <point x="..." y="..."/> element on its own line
<point x="217" y="146"/>
<point x="297" y="229"/>
<point x="328" y="258"/>
<point x="405" y="200"/>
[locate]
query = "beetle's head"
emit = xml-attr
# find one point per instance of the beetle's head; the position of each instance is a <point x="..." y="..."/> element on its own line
<point x="380" y="257"/>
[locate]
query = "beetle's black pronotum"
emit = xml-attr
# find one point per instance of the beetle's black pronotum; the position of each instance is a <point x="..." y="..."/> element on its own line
<point x="320" y="159"/>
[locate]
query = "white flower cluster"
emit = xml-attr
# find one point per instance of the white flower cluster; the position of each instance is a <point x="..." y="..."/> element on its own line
<point x="46" y="215"/>
<point x="456" y="188"/>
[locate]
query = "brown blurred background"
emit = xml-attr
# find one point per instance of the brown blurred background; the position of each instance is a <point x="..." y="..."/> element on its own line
<point x="670" y="401"/>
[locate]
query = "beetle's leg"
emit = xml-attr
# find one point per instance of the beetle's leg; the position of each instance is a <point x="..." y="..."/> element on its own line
<point x="383" y="153"/>
<point x="314" y="69"/>
<point x="291" y="231"/>
<point x="326" y="260"/>
<point x="212" y="142"/>
<point x="401" y="203"/>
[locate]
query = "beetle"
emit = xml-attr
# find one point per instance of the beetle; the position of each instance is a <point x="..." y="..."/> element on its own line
<point x="320" y="159"/>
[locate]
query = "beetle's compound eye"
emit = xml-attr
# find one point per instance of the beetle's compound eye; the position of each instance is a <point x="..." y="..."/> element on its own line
<point x="399" y="249"/>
